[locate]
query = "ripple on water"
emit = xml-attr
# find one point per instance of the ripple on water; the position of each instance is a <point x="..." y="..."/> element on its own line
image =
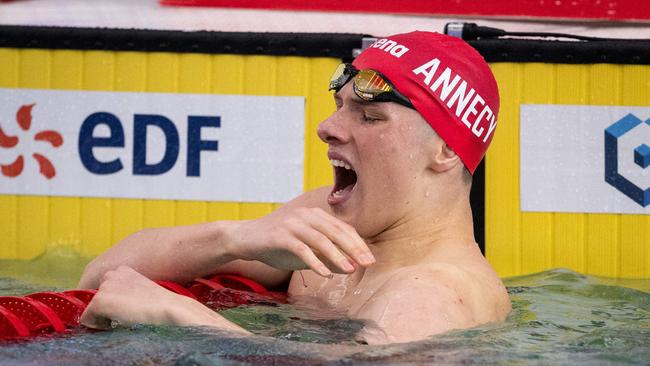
<point x="558" y="317"/>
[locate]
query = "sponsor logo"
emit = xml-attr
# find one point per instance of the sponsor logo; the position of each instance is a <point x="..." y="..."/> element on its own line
<point x="585" y="158"/>
<point x="627" y="125"/>
<point x="391" y="47"/>
<point x="51" y="137"/>
<point x="233" y="148"/>
<point x="142" y="123"/>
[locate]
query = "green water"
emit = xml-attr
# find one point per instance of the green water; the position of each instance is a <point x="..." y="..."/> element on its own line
<point x="558" y="317"/>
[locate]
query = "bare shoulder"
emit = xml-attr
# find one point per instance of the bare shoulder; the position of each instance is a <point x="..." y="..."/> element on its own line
<point x="420" y="301"/>
<point x="477" y="287"/>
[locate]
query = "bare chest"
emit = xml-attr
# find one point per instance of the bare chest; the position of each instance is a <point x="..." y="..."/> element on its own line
<point x="342" y="293"/>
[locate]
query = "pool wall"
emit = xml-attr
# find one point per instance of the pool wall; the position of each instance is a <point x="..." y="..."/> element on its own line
<point x="516" y="242"/>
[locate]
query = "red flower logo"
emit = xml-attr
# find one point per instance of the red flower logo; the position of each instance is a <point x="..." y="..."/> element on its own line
<point x="24" y="120"/>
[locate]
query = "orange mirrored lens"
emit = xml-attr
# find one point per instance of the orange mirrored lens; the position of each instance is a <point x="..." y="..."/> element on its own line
<point x="369" y="84"/>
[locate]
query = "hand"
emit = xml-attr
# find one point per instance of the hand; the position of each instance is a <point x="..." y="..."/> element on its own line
<point x="126" y="297"/>
<point x="299" y="238"/>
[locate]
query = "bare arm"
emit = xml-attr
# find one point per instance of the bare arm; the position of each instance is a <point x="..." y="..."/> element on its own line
<point x="126" y="297"/>
<point x="175" y="253"/>
<point x="292" y="237"/>
<point x="296" y="236"/>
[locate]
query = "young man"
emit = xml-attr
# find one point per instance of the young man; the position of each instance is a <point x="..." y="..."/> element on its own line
<point x="391" y="242"/>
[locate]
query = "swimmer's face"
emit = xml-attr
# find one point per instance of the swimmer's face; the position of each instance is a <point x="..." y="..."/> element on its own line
<point x="385" y="145"/>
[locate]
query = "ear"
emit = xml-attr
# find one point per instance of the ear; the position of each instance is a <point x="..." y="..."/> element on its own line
<point x="444" y="158"/>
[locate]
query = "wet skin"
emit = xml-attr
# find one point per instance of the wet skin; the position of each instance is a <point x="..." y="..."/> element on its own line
<point x="426" y="258"/>
<point x="391" y="242"/>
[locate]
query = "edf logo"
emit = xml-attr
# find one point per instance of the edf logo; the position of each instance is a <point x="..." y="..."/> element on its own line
<point x="88" y="140"/>
<point x="628" y="125"/>
<point x="162" y="146"/>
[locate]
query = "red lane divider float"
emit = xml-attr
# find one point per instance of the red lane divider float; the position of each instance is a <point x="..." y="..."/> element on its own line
<point x="56" y="312"/>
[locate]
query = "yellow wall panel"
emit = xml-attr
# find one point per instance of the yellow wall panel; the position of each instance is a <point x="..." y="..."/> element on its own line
<point x="32" y="236"/>
<point x="96" y="226"/>
<point x="9" y="67"/>
<point x="34" y="69"/>
<point x="64" y="221"/>
<point x="222" y="211"/>
<point x="635" y="229"/>
<point x="8" y="227"/>
<point x="537" y="245"/>
<point x="130" y="71"/>
<point x="32" y="214"/>
<point x="98" y="70"/>
<point x="98" y="73"/>
<point x="158" y="213"/>
<point x="194" y="73"/>
<point x="92" y="225"/>
<point x="502" y="177"/>
<point x="612" y="245"/>
<point x="568" y="239"/>
<point x="249" y="211"/>
<point x="568" y="229"/>
<point x="9" y="73"/>
<point x="161" y="72"/>
<point x="190" y="212"/>
<point x="227" y="74"/>
<point x="602" y="244"/>
<point x="64" y="212"/>
<point x="127" y="217"/>
<point x="516" y="242"/>
<point x="319" y="170"/>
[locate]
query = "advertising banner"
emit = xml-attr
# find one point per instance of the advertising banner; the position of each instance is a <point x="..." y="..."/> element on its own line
<point x="151" y="145"/>
<point x="581" y="158"/>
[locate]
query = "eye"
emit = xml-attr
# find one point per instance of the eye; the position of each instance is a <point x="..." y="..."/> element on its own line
<point x="371" y="117"/>
<point x="368" y="118"/>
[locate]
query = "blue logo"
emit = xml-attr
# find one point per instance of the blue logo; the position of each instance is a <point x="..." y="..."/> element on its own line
<point x="641" y="158"/>
<point x="195" y="143"/>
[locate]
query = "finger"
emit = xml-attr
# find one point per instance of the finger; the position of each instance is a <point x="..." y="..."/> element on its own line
<point x="334" y="267"/>
<point x="344" y="236"/>
<point x="335" y="260"/>
<point x="307" y="255"/>
<point x="101" y="323"/>
<point x="92" y="319"/>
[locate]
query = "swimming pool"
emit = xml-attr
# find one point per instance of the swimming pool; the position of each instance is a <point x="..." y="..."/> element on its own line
<point x="558" y="317"/>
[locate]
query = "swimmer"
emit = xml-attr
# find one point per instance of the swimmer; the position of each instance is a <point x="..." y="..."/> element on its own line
<point x="391" y="242"/>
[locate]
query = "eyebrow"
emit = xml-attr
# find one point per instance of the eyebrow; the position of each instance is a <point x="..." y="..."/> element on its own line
<point x="355" y="100"/>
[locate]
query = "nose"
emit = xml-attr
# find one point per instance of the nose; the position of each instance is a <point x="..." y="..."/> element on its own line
<point x="332" y="130"/>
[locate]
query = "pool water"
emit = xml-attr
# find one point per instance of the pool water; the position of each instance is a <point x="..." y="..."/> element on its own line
<point x="558" y="317"/>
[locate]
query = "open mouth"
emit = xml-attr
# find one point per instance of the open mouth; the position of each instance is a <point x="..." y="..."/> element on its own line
<point x="345" y="178"/>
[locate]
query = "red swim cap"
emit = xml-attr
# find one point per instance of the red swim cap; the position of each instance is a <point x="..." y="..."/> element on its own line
<point x="447" y="81"/>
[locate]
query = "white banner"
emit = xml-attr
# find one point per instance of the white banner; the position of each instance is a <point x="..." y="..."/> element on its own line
<point x="151" y="145"/>
<point x="577" y="158"/>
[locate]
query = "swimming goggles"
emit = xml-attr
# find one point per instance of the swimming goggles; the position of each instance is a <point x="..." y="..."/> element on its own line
<point x="369" y="85"/>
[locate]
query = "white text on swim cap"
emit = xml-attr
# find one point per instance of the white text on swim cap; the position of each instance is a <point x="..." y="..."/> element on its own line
<point x="390" y="46"/>
<point x="444" y="85"/>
